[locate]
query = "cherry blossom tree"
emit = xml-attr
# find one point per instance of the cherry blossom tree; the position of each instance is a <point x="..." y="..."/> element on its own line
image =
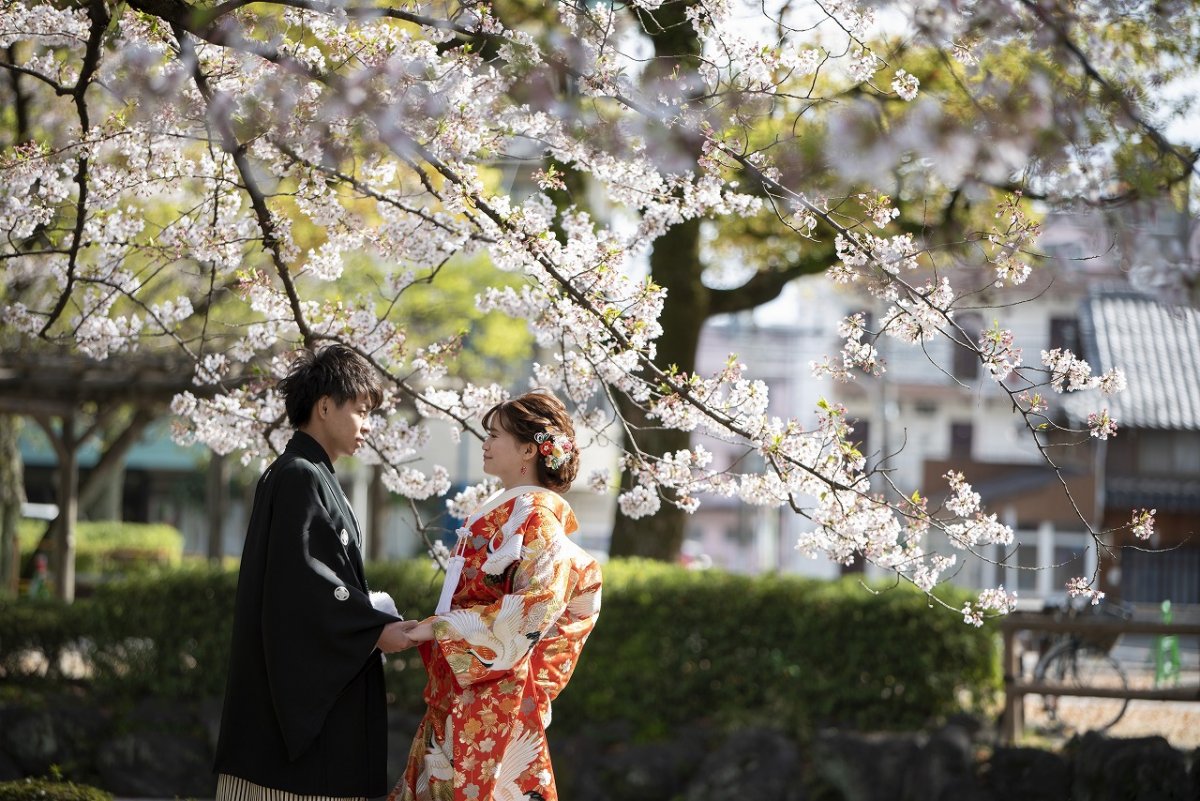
<point x="232" y="180"/>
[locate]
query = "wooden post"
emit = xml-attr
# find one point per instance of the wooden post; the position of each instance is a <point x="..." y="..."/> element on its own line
<point x="66" y="445"/>
<point x="1014" y="702"/>
<point x="68" y="511"/>
<point x="1016" y="686"/>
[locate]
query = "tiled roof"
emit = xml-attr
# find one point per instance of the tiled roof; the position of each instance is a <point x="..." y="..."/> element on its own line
<point x="1157" y="347"/>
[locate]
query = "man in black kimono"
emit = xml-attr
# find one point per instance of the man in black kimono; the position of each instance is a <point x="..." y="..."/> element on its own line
<point x="305" y="712"/>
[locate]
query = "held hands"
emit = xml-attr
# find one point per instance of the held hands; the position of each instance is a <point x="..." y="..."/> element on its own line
<point x="396" y="636"/>
<point x="404" y="634"/>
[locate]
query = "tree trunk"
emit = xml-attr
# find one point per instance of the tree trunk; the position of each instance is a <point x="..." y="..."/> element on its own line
<point x="218" y="506"/>
<point x="377" y="515"/>
<point x="674" y="264"/>
<point x="107" y="501"/>
<point x="659" y="536"/>
<point x="12" y="495"/>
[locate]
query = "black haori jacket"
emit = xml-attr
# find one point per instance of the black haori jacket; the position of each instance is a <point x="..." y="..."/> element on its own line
<point x="304" y="703"/>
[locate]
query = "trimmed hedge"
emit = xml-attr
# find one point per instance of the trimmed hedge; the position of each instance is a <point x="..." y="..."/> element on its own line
<point x="672" y="646"/>
<point x="34" y="634"/>
<point x="49" y="790"/>
<point x="112" y="546"/>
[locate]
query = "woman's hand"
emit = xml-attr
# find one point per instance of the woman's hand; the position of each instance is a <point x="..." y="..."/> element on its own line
<point x="423" y="631"/>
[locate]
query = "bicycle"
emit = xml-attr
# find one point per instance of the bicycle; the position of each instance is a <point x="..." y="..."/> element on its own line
<point x="1080" y="660"/>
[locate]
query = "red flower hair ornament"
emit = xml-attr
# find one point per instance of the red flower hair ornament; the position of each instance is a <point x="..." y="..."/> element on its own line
<point x="557" y="448"/>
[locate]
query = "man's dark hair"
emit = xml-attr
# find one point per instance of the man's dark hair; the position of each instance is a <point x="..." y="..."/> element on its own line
<point x="334" y="370"/>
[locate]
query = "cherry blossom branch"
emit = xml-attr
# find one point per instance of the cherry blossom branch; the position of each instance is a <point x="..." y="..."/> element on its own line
<point x="98" y="16"/>
<point x="443" y="111"/>
<point x="205" y="16"/>
<point x="678" y="387"/>
<point x="237" y="151"/>
<point x="16" y="70"/>
<point x="364" y="189"/>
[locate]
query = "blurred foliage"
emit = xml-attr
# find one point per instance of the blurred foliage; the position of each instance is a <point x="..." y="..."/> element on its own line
<point x="704" y="645"/>
<point x="166" y="635"/>
<point x="112" y="547"/>
<point x="442" y="307"/>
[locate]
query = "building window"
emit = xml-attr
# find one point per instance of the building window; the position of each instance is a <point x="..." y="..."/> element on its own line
<point x="1046" y="559"/>
<point x="1169" y="452"/>
<point x="965" y="365"/>
<point x="1064" y="334"/>
<point x="1147" y="579"/>
<point x="861" y="437"/>
<point x="961" y="435"/>
<point x="1027" y="564"/>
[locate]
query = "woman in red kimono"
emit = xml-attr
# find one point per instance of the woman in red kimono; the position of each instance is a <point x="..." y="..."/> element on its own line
<point x="518" y="602"/>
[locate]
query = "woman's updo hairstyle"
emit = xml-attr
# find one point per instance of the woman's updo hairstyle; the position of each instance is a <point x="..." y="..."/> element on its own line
<point x="533" y="413"/>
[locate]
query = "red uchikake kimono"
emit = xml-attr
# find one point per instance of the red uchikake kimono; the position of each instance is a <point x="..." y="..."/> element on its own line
<point x="527" y="599"/>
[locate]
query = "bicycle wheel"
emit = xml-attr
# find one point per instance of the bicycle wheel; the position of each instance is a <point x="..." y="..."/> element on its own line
<point x="1075" y="665"/>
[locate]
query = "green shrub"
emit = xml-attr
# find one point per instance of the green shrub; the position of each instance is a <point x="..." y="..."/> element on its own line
<point x="166" y="634"/>
<point x="29" y="534"/>
<point x="33" y="636"/>
<point x="672" y="646"/>
<point x="48" y="790"/>
<point x="675" y="645"/>
<point x="112" y="546"/>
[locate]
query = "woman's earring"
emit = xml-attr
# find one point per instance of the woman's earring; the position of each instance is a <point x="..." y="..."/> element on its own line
<point x="524" y="469"/>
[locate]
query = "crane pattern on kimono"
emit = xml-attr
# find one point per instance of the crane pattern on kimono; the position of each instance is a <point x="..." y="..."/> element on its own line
<point x="510" y="549"/>
<point x="512" y="633"/>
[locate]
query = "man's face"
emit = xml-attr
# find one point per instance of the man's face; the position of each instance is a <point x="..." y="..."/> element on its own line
<point x="345" y="426"/>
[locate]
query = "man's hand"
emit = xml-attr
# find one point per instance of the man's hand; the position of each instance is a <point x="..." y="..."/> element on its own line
<point x="394" y="636"/>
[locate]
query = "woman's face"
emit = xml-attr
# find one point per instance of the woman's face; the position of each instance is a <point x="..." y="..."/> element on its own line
<point x="504" y="456"/>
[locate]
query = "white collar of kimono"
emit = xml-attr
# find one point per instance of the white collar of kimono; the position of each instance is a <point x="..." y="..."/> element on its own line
<point x="499" y="497"/>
